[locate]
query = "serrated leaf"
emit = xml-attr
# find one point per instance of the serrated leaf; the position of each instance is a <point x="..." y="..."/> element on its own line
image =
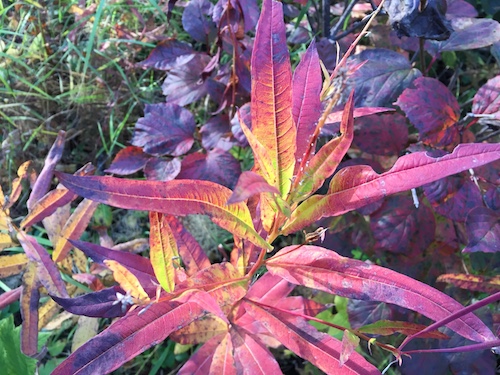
<point x="327" y="271"/>
<point x="434" y="111"/>
<point x="177" y="197"/>
<point x="389" y="327"/>
<point x="12" y="361"/>
<point x="304" y="340"/>
<point x="163" y="250"/>
<point x="357" y="186"/>
<point x="272" y="122"/>
<point x="128" y="337"/>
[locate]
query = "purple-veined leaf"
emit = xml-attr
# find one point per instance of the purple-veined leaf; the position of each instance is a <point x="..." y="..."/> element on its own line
<point x="101" y="304"/>
<point x="433" y="110"/>
<point x="304" y="340"/>
<point x="249" y="184"/>
<point x="128" y="337"/>
<point x="306" y="109"/>
<point x="357" y="186"/>
<point x="177" y="197"/>
<point x="216" y="165"/>
<point x="168" y="54"/>
<point x="327" y="271"/>
<point x="390" y="131"/>
<point x="165" y="129"/>
<point x="384" y="75"/>
<point x="128" y="160"/>
<point x="197" y="22"/>
<point x="42" y="183"/>
<point x="483" y="230"/>
<point x="272" y="121"/>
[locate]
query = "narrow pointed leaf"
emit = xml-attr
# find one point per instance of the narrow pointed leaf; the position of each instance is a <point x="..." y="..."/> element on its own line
<point x="128" y="282"/>
<point x="30" y="297"/>
<point x="357" y="186"/>
<point x="12" y="264"/>
<point x="271" y="107"/>
<point x="306" y="108"/>
<point x="9" y="297"/>
<point x="328" y="158"/>
<point x="223" y="360"/>
<point x="199" y="363"/>
<point x="388" y="327"/>
<point x="47" y="205"/>
<point x="128" y="337"/>
<point x="74" y="228"/>
<point x="163" y="250"/>
<point x="249" y="184"/>
<point x="42" y="184"/>
<point x="193" y="256"/>
<point x="487" y="284"/>
<point x="304" y="340"/>
<point x="177" y="197"/>
<point x="327" y="271"/>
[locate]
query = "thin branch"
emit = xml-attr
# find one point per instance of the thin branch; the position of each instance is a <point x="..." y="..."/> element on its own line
<point x="342" y="19"/>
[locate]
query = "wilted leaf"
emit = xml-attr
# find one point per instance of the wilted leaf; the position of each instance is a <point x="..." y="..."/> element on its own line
<point x="216" y="165"/>
<point x="165" y="129"/>
<point x="12" y="264"/>
<point x="357" y="186"/>
<point x="30" y="297"/>
<point x="177" y="197"/>
<point x="433" y="110"/>
<point x="325" y="270"/>
<point x="272" y="121"/>
<point x="86" y="329"/>
<point x="382" y="78"/>
<point x="483" y="230"/>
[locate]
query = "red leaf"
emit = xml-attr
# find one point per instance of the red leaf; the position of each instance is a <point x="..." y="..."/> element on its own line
<point x="216" y="165"/>
<point x="304" y="340"/>
<point x="252" y="357"/>
<point x="193" y="256"/>
<point x="199" y="363"/>
<point x="165" y="129"/>
<point x="483" y="230"/>
<point x="433" y="110"/>
<point x="272" y="122"/>
<point x="307" y="83"/>
<point x="249" y="184"/>
<point x="128" y="160"/>
<point x="327" y="271"/>
<point x="223" y="359"/>
<point x="177" y="197"/>
<point x="357" y="186"/>
<point x="128" y="337"/>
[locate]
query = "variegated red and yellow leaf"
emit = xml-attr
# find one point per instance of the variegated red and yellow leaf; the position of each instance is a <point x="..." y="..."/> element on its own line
<point x="127" y="280"/>
<point x="163" y="250"/>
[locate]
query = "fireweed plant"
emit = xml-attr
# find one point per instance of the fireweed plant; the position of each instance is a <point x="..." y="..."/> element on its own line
<point x="237" y="309"/>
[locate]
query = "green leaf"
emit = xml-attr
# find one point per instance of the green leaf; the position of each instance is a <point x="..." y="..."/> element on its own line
<point x="12" y="361"/>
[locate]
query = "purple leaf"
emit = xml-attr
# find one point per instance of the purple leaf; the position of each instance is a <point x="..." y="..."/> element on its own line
<point x="248" y="185"/>
<point x="384" y="75"/>
<point x="162" y="170"/>
<point x="389" y="130"/>
<point x="216" y="165"/>
<point x="168" y="54"/>
<point x="216" y="133"/>
<point x="101" y="304"/>
<point x="197" y="22"/>
<point x="128" y="160"/>
<point x="165" y="129"/>
<point x="433" y="110"/>
<point x="483" y="230"/>
<point x="487" y="99"/>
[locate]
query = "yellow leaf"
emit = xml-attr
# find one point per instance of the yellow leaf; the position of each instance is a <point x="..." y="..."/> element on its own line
<point x="163" y="250"/>
<point x="12" y="264"/>
<point x="127" y="281"/>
